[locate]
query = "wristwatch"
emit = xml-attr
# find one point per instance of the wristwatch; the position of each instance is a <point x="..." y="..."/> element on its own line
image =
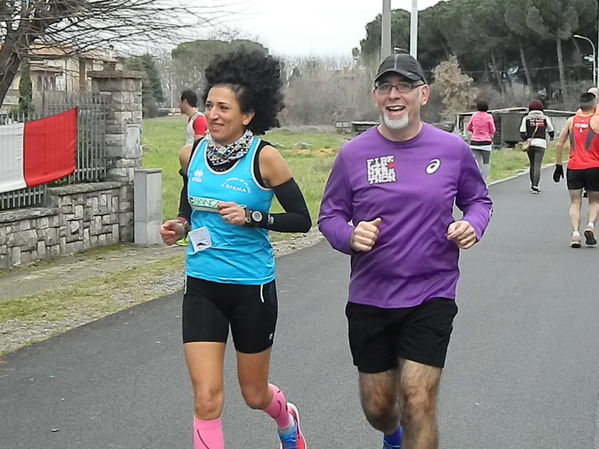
<point x="253" y="217"/>
<point x="184" y="222"/>
<point x="256" y="216"/>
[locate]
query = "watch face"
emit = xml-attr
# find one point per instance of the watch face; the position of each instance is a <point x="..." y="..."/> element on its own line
<point x="257" y="216"/>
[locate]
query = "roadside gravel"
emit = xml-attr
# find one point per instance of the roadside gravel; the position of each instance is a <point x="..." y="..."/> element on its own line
<point x="149" y="272"/>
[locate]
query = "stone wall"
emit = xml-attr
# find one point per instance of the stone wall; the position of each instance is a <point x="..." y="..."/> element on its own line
<point x="79" y="217"/>
<point x="83" y="216"/>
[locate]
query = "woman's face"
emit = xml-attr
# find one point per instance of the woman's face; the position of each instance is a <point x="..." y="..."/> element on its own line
<point x="226" y="122"/>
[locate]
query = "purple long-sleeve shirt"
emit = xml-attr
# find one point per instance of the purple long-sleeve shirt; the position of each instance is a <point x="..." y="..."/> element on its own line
<point x="412" y="186"/>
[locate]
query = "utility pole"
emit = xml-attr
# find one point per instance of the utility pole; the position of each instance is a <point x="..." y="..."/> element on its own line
<point x="414" y="29"/>
<point x="386" y="29"/>
<point x="578" y="36"/>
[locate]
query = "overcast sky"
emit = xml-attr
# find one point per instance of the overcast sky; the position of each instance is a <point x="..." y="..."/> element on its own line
<point x="313" y="27"/>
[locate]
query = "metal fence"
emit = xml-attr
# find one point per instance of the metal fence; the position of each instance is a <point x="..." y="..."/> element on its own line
<point x="90" y="158"/>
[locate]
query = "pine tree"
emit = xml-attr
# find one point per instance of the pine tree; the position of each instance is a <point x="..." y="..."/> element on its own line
<point x="25" y="90"/>
<point x="151" y="88"/>
<point x="559" y="20"/>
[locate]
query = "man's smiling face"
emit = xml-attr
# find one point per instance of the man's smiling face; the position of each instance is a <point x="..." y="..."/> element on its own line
<point x="398" y="101"/>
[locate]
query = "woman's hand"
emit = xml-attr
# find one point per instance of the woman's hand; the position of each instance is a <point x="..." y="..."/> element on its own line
<point x="232" y="213"/>
<point x="171" y="231"/>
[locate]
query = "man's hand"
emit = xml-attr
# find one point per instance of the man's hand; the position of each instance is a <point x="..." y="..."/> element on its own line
<point x="171" y="231"/>
<point x="364" y="235"/>
<point x="462" y="233"/>
<point x="558" y="173"/>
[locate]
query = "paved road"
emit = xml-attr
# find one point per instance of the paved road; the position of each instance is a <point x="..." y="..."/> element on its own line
<point x="522" y="370"/>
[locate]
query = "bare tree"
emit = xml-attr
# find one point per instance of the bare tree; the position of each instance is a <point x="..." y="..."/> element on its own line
<point x="81" y="25"/>
<point x="337" y="92"/>
<point x="456" y="88"/>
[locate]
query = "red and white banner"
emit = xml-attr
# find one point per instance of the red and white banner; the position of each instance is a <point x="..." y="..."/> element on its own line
<point x="37" y="152"/>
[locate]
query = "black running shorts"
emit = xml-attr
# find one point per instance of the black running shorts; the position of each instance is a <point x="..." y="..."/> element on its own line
<point x="583" y="179"/>
<point x="378" y="337"/>
<point x="210" y="308"/>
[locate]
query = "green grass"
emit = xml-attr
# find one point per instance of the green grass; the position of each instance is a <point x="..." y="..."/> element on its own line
<point x="506" y="163"/>
<point x="314" y="141"/>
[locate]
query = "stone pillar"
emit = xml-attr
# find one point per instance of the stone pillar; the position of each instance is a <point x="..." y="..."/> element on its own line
<point x="122" y="92"/>
<point x="147" y="205"/>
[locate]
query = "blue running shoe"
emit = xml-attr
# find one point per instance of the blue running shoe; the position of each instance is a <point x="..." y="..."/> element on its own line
<point x="294" y="439"/>
<point x="395" y="438"/>
<point x="390" y="446"/>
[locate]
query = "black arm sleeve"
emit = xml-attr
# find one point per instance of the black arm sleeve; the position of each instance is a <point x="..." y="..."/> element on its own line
<point x="184" y="207"/>
<point x="296" y="217"/>
<point x="523" y="136"/>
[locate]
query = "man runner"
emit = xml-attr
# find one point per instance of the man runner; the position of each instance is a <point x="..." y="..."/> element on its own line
<point x="583" y="167"/>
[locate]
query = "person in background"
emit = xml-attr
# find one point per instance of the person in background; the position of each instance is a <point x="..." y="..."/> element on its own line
<point x="194" y="130"/>
<point x="482" y="127"/>
<point x="230" y="179"/>
<point x="538" y="127"/>
<point x="196" y="122"/>
<point x="388" y="204"/>
<point x="582" y="131"/>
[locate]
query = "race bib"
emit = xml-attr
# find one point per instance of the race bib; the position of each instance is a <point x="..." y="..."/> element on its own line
<point x="200" y="239"/>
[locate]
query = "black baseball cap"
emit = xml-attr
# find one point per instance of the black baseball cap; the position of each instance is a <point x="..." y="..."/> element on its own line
<point x="403" y="64"/>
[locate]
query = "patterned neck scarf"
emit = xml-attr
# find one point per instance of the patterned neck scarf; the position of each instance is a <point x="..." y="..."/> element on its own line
<point x="223" y="154"/>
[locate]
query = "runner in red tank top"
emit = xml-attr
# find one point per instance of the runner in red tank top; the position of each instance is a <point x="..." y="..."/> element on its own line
<point x="582" y="131"/>
<point x="584" y="144"/>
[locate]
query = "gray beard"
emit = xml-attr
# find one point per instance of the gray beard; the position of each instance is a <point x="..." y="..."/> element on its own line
<point x="395" y="125"/>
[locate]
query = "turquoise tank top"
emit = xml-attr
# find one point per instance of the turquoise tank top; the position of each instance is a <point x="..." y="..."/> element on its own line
<point x="238" y="255"/>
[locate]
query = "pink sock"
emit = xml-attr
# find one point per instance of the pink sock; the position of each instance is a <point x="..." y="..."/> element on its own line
<point x="277" y="409"/>
<point x="208" y="434"/>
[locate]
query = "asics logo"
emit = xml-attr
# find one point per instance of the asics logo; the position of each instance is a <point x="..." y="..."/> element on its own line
<point x="433" y="166"/>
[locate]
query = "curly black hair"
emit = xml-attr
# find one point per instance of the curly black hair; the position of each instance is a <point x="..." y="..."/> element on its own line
<point x="256" y="80"/>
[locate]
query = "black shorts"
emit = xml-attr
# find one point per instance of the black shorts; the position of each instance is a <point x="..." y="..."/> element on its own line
<point x="583" y="179"/>
<point x="378" y="337"/>
<point x="209" y="308"/>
